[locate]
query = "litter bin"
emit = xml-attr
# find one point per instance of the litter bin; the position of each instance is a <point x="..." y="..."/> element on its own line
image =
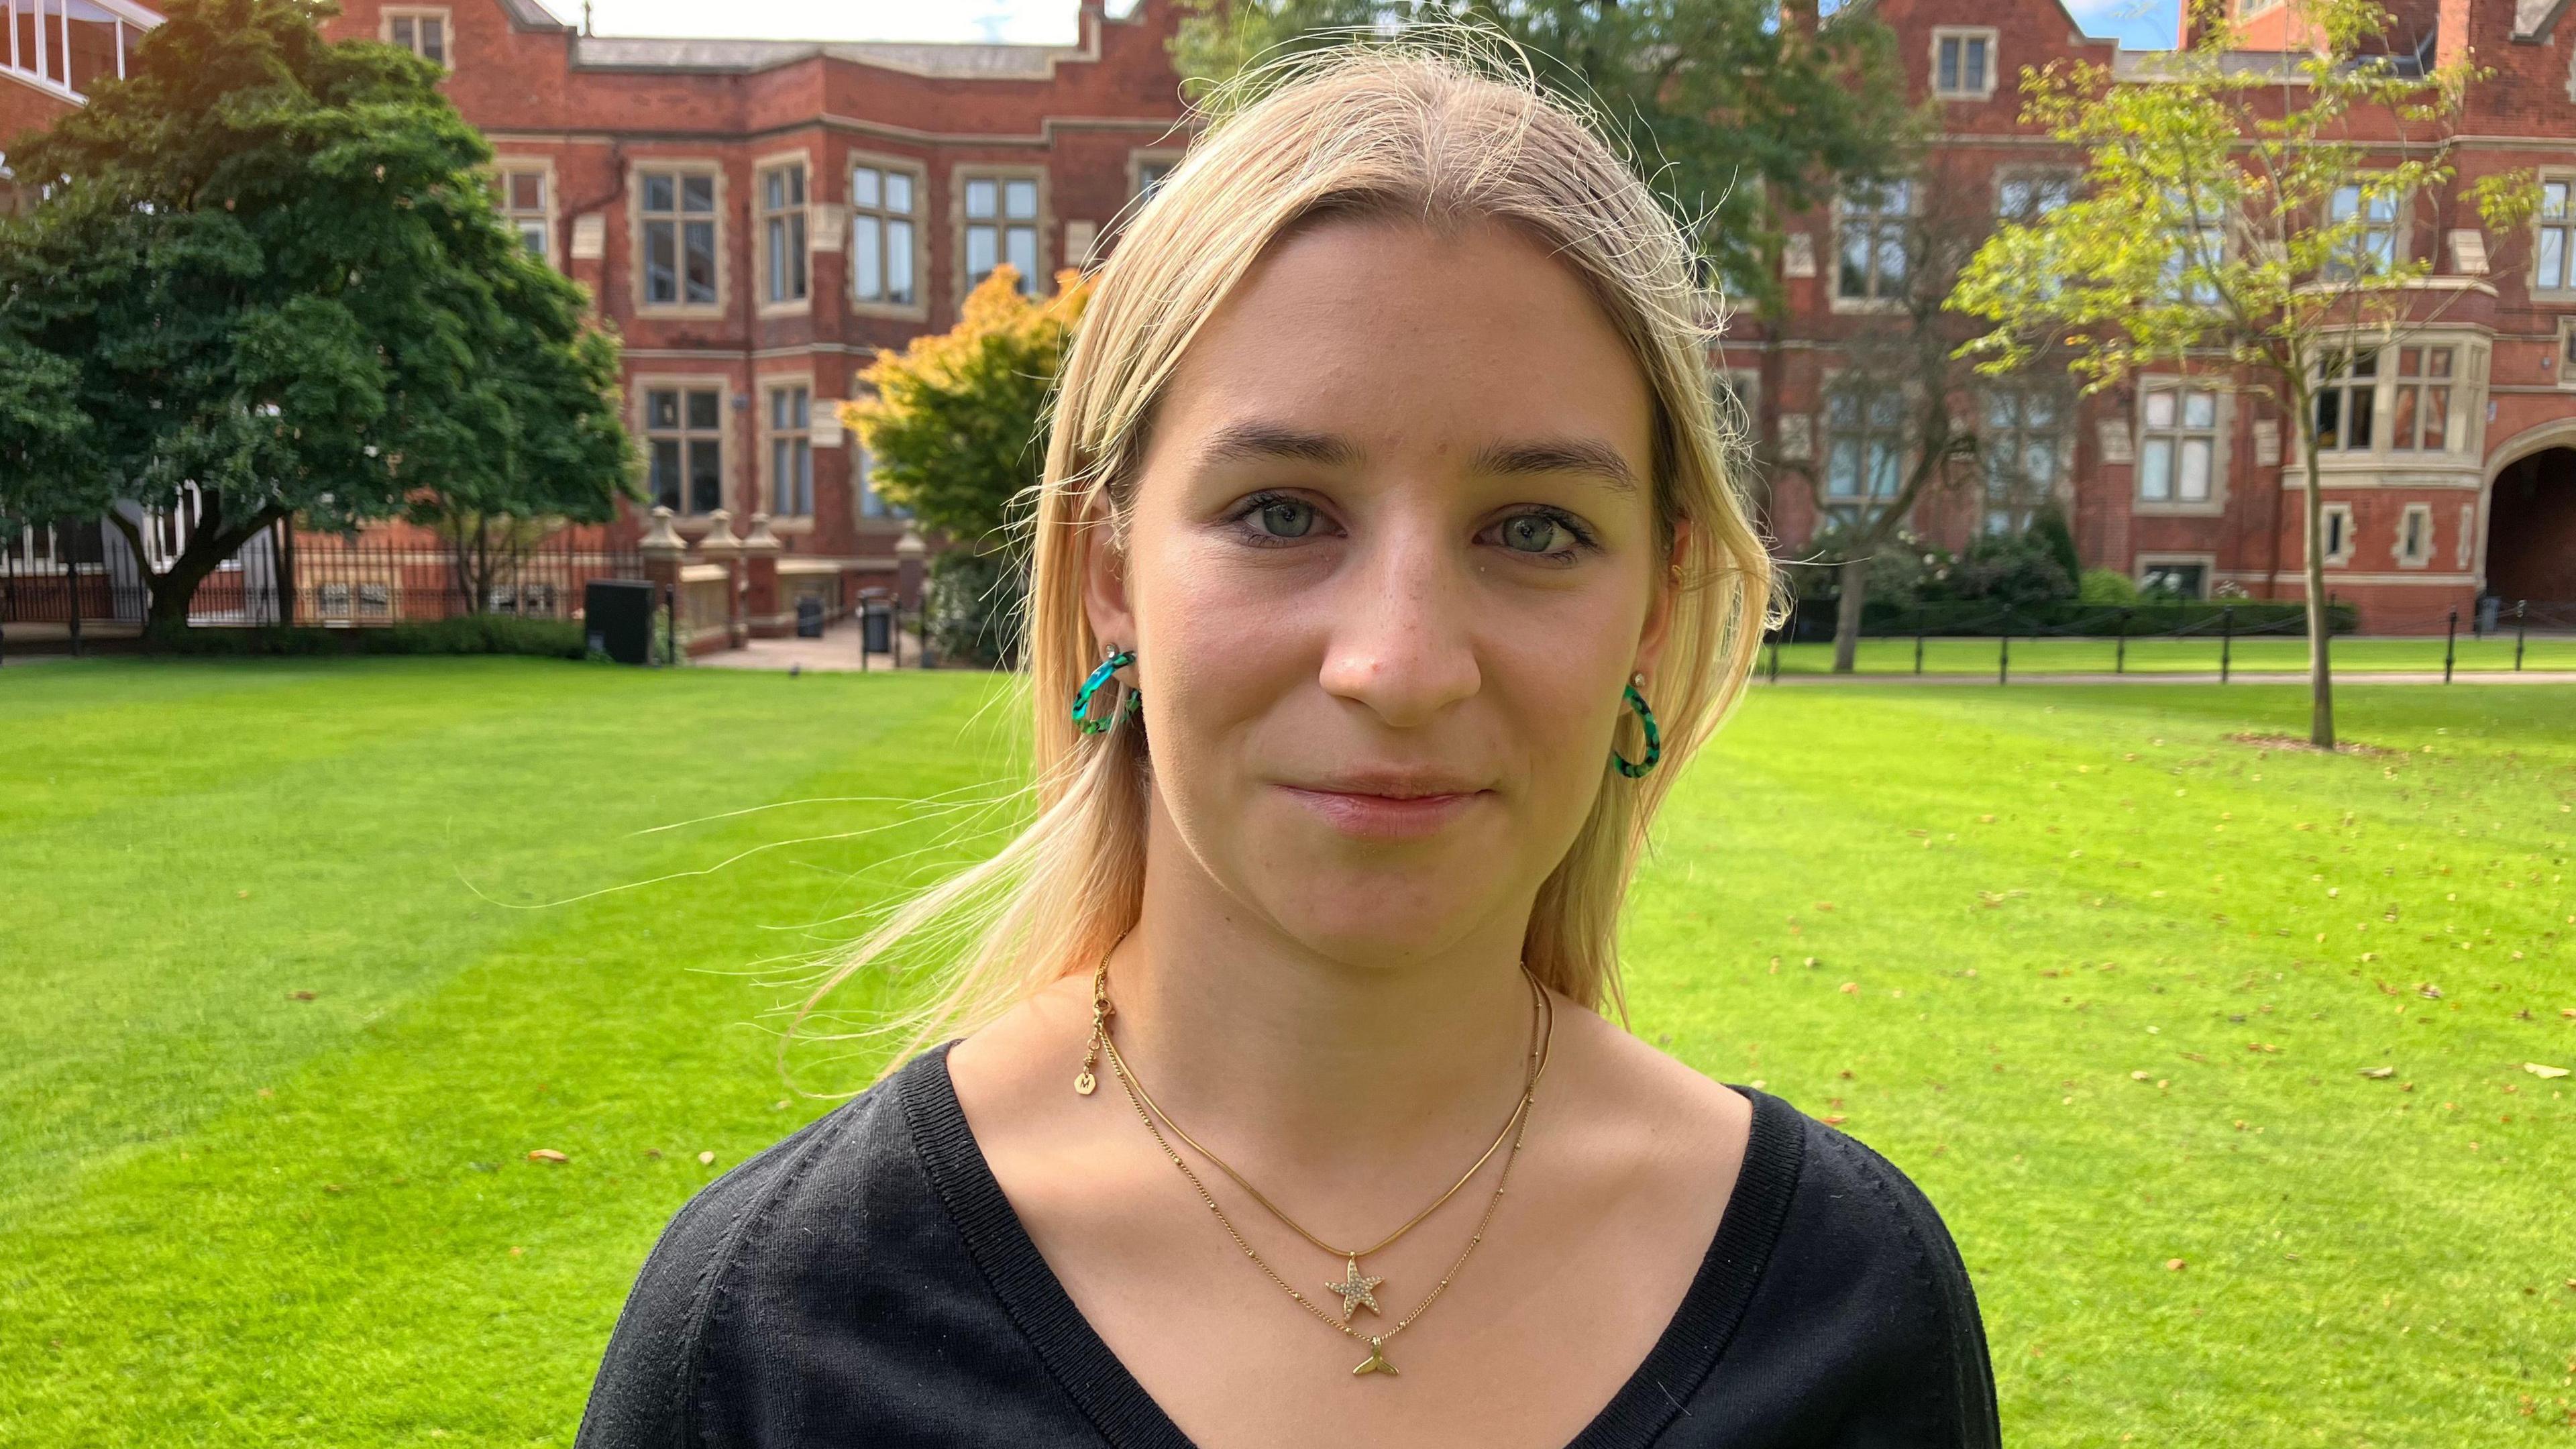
<point x="617" y="617"/>
<point x="878" y="626"/>
<point x="2488" y="606"/>
<point x="809" y="617"/>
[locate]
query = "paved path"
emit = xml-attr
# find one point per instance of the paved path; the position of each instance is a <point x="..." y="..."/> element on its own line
<point x="836" y="652"/>
<point x="2241" y="676"/>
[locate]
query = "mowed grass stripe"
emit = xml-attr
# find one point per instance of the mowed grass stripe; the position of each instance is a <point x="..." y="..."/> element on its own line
<point x="2069" y="1209"/>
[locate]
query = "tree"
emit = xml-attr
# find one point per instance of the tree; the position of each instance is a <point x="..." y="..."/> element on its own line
<point x="1901" y="417"/>
<point x="1748" y="110"/>
<point x="2242" y="218"/>
<point x="955" y="429"/>
<point x="267" y="279"/>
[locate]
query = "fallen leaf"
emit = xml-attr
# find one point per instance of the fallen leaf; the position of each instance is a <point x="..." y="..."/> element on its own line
<point x="518" y="1252"/>
<point x="2379" y="1071"/>
<point x="2137" y="1076"/>
<point x="706" y="1158"/>
<point x="2173" y="1265"/>
<point x="2260" y="1046"/>
<point x="2537" y="1070"/>
<point x="1851" y="988"/>
<point x="546" y="1154"/>
<point x="1835" y="1120"/>
<point x="299" y="996"/>
<point x="654" y="1153"/>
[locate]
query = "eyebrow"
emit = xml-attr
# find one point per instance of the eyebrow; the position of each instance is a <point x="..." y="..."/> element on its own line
<point x="1259" y="442"/>
<point x="1559" y="455"/>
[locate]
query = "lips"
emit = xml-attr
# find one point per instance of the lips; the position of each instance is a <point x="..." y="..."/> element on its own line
<point x="1369" y="815"/>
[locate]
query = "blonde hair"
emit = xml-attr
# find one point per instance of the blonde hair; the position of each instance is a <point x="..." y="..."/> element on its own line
<point x="1426" y="131"/>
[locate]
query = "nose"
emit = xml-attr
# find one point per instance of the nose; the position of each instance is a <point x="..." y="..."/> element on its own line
<point x="1403" y="637"/>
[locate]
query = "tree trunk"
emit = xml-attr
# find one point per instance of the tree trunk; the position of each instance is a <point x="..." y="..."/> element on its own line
<point x="1855" y="582"/>
<point x="2321" y="731"/>
<point x="173" y="592"/>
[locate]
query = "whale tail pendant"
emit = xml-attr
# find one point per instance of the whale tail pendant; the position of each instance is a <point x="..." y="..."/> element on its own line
<point x="1377" y="1363"/>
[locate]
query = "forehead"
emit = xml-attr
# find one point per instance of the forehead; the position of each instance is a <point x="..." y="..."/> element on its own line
<point x="1405" y="340"/>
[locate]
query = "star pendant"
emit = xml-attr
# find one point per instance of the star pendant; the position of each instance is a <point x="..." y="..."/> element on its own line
<point x="1355" y="1289"/>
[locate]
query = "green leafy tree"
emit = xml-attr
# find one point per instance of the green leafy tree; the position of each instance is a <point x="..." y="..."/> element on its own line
<point x="955" y="428"/>
<point x="266" y="279"/>
<point x="2237" y="217"/>
<point x="1747" y="111"/>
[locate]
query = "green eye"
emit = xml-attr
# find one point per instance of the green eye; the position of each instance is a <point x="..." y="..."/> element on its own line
<point x="1537" y="527"/>
<point x="1275" y="511"/>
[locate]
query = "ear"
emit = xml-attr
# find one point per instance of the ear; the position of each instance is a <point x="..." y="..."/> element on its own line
<point x="1659" y="612"/>
<point x="1104" y="580"/>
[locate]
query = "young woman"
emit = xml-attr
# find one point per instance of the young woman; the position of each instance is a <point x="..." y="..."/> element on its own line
<point x="1390" y="558"/>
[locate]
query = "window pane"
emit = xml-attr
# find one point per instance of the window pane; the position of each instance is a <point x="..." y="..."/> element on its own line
<point x="701" y="260"/>
<point x="2437" y="362"/>
<point x="2199" y="409"/>
<point x="2553" y="198"/>
<point x="778" y="259"/>
<point x="2402" y="423"/>
<point x="863" y="186"/>
<point x="899" y="192"/>
<point x="1020" y="199"/>
<point x="1882" y="467"/>
<point x="1974" y="72"/>
<point x="2437" y="417"/>
<point x="532" y="235"/>
<point x="2155" y="469"/>
<point x="661" y="263"/>
<point x="1891" y="261"/>
<point x="1949" y="64"/>
<point x="697" y="193"/>
<point x="703" y="407"/>
<point x="2357" y="421"/>
<point x="433" y="38"/>
<point x="867" y="270"/>
<point x="661" y="409"/>
<point x="899" y="261"/>
<point x="527" y="191"/>
<point x="773" y="190"/>
<point x="795" y="254"/>
<point x="778" y="407"/>
<point x="2553" y="256"/>
<point x="2039" y="462"/>
<point x="1886" y="410"/>
<point x="666" y="473"/>
<point x="658" y="192"/>
<point x="1854" y="281"/>
<point x="2160" y="409"/>
<point x="1840" y="409"/>
<point x="980" y="244"/>
<point x="980" y="198"/>
<point x="801" y="413"/>
<point x="2329" y="417"/>
<point x="706" y="476"/>
<point x="1842" y="468"/>
<point x="1024" y="255"/>
<point x="782" y="477"/>
<point x="2193" y="486"/>
<point x="402" y="34"/>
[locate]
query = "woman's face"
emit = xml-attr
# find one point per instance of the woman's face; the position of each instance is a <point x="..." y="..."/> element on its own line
<point x="1393" y="538"/>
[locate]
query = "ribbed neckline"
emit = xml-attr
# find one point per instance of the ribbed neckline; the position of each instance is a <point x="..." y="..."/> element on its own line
<point x="1128" y="1417"/>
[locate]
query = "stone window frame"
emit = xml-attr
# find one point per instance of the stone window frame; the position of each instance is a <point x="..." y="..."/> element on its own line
<point x="2221" y="453"/>
<point x="2208" y="563"/>
<point x="1875" y="302"/>
<point x="637" y="168"/>
<point x="765" y="389"/>
<point x="1963" y="34"/>
<point x="918" y="309"/>
<point x="443" y="14"/>
<point x="2397" y="545"/>
<point x="2565" y="364"/>
<point x="506" y="165"/>
<point x="1002" y="173"/>
<point x="2565" y="226"/>
<point x="2336" y="558"/>
<point x="2466" y="441"/>
<point x="1907" y="398"/>
<point x="799" y="214"/>
<point x="647" y="383"/>
<point x="2401" y="225"/>
<point x="2062" y="434"/>
<point x="1143" y="156"/>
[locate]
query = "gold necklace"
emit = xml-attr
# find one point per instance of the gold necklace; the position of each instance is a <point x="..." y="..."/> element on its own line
<point x="1355" y="1288"/>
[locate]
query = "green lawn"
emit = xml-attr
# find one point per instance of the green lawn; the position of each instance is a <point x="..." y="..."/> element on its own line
<point x="232" y="1215"/>
<point x="2265" y="652"/>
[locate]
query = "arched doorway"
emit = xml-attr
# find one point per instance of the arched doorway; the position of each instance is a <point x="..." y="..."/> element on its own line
<point x="2531" y="528"/>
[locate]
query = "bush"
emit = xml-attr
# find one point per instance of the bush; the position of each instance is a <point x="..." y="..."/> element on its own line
<point x="471" y="634"/>
<point x="975" y="602"/>
<point x="1986" y="618"/>
<point x="1902" y="570"/>
<point x="2106" y="586"/>
<point x="2013" y="570"/>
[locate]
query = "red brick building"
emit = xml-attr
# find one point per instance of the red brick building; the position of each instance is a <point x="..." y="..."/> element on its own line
<point x="758" y="217"/>
<point x="2452" y="476"/>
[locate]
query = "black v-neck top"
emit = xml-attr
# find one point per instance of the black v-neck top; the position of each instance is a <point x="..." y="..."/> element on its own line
<point x="866" y="1283"/>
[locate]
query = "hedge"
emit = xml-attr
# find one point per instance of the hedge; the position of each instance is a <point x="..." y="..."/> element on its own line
<point x="471" y="634"/>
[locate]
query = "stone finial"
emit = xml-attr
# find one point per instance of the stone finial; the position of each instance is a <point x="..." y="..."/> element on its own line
<point x="661" y="537"/>
<point x="761" y="540"/>
<point x="910" y="545"/>
<point x="719" y="541"/>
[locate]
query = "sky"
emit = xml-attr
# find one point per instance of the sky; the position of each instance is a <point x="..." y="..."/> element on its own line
<point x="2139" y="24"/>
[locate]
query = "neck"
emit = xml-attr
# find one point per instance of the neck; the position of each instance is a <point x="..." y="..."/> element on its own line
<point x="1298" y="1063"/>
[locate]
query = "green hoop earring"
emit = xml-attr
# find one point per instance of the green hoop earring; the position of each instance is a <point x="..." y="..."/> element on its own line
<point x="1654" y="736"/>
<point x="1133" y="705"/>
